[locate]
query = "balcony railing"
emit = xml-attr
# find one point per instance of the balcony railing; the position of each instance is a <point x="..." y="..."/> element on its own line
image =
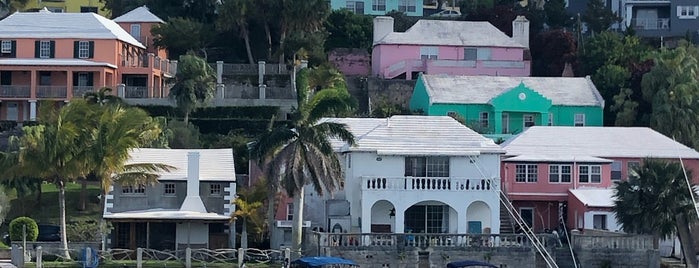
<point x="15" y="91"/>
<point x="373" y="183"/>
<point x="79" y="91"/>
<point x="132" y="92"/>
<point x="651" y="24"/>
<point x="51" y="91"/>
<point x="421" y="240"/>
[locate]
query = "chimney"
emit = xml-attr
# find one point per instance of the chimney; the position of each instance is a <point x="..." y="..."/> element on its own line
<point x="192" y="202"/>
<point x="383" y="25"/>
<point x="520" y="30"/>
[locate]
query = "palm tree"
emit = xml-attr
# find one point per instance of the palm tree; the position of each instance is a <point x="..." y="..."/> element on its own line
<point x="325" y="77"/>
<point x="103" y="96"/>
<point x="194" y="84"/>
<point x="236" y="13"/>
<point x="247" y="211"/>
<point x="301" y="154"/>
<point x="650" y="201"/>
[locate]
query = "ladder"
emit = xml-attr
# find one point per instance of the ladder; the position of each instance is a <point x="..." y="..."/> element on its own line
<point x="540" y="248"/>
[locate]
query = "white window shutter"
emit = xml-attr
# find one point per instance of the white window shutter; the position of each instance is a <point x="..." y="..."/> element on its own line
<point x="679" y="11"/>
<point x="696" y="11"/>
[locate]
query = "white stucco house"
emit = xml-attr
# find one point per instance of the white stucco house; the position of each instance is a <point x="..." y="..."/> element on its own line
<point x="419" y="174"/>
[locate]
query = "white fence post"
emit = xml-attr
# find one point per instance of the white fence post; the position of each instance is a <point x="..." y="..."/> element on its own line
<point x="188" y="258"/>
<point x="39" y="261"/>
<point x="241" y="257"/>
<point x="139" y="257"/>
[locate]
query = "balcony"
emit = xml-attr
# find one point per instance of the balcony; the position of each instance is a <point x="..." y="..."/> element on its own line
<point x="79" y="91"/>
<point x="421" y="240"/>
<point x="15" y="91"/>
<point x="422" y="184"/>
<point x="133" y="92"/>
<point x="51" y="92"/>
<point x="651" y="24"/>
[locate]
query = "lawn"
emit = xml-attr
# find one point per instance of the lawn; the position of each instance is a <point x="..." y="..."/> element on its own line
<point x="46" y="210"/>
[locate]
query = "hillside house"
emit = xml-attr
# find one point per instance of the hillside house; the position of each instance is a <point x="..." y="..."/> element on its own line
<point x="379" y="7"/>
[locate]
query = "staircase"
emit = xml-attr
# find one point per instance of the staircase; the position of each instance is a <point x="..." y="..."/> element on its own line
<point x="506" y="224"/>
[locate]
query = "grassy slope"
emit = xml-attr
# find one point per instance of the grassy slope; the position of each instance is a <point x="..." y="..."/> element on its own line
<point x="47" y="211"/>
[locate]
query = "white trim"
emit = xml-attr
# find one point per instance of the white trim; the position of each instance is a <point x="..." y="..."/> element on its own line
<point x="6" y="47"/>
<point x="83" y="49"/>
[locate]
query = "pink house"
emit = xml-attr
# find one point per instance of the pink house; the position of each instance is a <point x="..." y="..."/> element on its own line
<point x="449" y="47"/>
<point x="568" y="173"/>
<point x="47" y="56"/>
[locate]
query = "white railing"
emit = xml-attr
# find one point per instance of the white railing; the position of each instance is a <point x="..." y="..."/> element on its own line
<point x="378" y="183"/>
<point x="15" y="91"/>
<point x="132" y="92"/>
<point x="651" y="24"/>
<point x="51" y="91"/>
<point x="422" y="240"/>
<point x="79" y="91"/>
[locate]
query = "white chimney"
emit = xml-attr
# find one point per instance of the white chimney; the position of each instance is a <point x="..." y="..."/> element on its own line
<point x="520" y="30"/>
<point x="383" y="25"/>
<point x="192" y="202"/>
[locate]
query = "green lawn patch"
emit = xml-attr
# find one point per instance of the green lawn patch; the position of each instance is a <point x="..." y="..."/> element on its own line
<point x="46" y="210"/>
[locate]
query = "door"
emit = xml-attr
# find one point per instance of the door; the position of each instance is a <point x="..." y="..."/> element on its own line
<point x="647" y="18"/>
<point x="475" y="227"/>
<point x="12" y="111"/>
<point x="528" y="216"/>
<point x="505" y="123"/>
<point x="136" y="31"/>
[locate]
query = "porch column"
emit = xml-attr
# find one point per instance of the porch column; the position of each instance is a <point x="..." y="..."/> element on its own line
<point x="544" y="119"/>
<point x="462" y="220"/>
<point x="399" y="220"/>
<point x="32" y="110"/>
<point x="629" y="15"/>
<point x="69" y="85"/>
<point x="102" y="83"/>
<point x="33" y="83"/>
<point x="365" y="221"/>
<point x="497" y="119"/>
<point x="219" y="72"/>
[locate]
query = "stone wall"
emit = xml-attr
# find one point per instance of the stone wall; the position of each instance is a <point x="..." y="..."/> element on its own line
<point x="389" y="91"/>
<point x="351" y="61"/>
<point x="615" y="251"/>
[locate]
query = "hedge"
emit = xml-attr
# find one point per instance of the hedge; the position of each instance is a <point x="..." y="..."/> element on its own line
<point x="259" y="112"/>
<point x="224" y="126"/>
<point x="6" y="125"/>
<point x="16" y="229"/>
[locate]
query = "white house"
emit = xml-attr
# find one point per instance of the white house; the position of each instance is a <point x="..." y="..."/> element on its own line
<point x="420" y="174"/>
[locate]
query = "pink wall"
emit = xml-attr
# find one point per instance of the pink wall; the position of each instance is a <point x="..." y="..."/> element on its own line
<point x="545" y="213"/>
<point x="351" y="61"/>
<point x="384" y="56"/>
<point x="543" y="186"/>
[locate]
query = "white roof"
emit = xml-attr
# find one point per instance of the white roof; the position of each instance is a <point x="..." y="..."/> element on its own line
<point x="451" y="33"/>
<point x="414" y="135"/>
<point x="603" y="142"/>
<point x="595" y="197"/>
<point x="214" y="164"/>
<point x="165" y="214"/>
<point x="52" y="62"/>
<point x="556" y="158"/>
<point x="45" y="24"/>
<point x="458" y="89"/>
<point x="140" y="14"/>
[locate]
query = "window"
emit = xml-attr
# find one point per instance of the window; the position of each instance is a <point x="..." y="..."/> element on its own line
<point x="687" y="12"/>
<point x="169" y="189"/>
<point x="5" y="78"/>
<point x="631" y="168"/>
<point x="355" y="6"/>
<point x="84" y="79"/>
<point x="6" y="47"/>
<point x="136" y="31"/>
<point x="44" y="49"/>
<point x="470" y="53"/>
<point x="452" y="114"/>
<point x="378" y="5"/>
<point x="83" y="49"/>
<point x="599" y="222"/>
<point x="559" y="173"/>
<point x="550" y="119"/>
<point x="55" y="9"/>
<point x="589" y="173"/>
<point x="616" y="170"/>
<point x="215" y="189"/>
<point x="137" y="190"/>
<point x="505" y="123"/>
<point x="84" y="9"/>
<point x="427" y="219"/>
<point x="484" y="119"/>
<point x="429" y="53"/>
<point x="528" y="120"/>
<point x="427" y="166"/>
<point x="406" y="5"/>
<point x="579" y="120"/>
<point x="526" y="173"/>
<point x="289" y="211"/>
<point x="44" y="78"/>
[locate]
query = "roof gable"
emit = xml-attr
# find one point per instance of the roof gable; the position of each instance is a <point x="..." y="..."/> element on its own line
<point x="46" y="24"/>
<point x="214" y="164"/>
<point x="521" y="99"/>
<point x="139" y="14"/>
<point x="451" y="33"/>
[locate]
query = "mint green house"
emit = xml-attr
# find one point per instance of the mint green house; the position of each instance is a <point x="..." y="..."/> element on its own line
<point x="500" y="106"/>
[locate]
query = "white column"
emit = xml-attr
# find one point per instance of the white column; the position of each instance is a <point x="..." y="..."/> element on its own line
<point x="32" y="110"/>
<point x="462" y="221"/>
<point x="400" y="220"/>
<point x="263" y="91"/>
<point x="628" y="15"/>
<point x="219" y="72"/>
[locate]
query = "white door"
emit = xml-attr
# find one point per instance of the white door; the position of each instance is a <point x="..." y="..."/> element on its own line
<point x="12" y="111"/>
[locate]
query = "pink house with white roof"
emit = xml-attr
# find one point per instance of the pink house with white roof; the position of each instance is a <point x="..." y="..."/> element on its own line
<point x="569" y="172"/>
<point x="450" y="47"/>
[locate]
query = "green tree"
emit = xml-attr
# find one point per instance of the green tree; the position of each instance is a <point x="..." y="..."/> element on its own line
<point x="248" y="206"/>
<point x="401" y="22"/>
<point x="556" y="14"/>
<point x="235" y="14"/>
<point x="551" y="50"/>
<point x="21" y="226"/>
<point x="650" y="201"/>
<point x="184" y="135"/>
<point x="672" y="88"/>
<point x="194" y="84"/>
<point x="348" y="30"/>
<point x="301" y="154"/>
<point x="325" y="77"/>
<point x="598" y="16"/>
<point x="181" y="35"/>
<point x="10" y="6"/>
<point x="290" y="21"/>
<point x="103" y="96"/>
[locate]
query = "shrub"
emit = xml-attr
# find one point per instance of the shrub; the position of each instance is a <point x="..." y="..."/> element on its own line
<point x="83" y="231"/>
<point x="16" y="229"/>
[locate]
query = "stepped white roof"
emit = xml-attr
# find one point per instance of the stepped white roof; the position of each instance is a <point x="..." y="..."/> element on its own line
<point x="214" y="164"/>
<point x="162" y="214"/>
<point x="582" y="143"/>
<point x="595" y="197"/>
<point x="451" y="33"/>
<point x="140" y="14"/>
<point x="45" y="24"/>
<point x="414" y="135"/>
<point x="460" y="89"/>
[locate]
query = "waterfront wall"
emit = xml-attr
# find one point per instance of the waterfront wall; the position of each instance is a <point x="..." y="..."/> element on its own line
<point x="614" y="250"/>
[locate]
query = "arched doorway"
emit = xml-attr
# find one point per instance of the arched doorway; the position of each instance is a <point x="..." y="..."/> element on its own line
<point x="478" y="218"/>
<point x="432" y="217"/>
<point x="383" y="218"/>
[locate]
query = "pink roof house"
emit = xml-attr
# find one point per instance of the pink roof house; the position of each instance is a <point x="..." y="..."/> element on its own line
<point x="449" y="47"/>
<point x="58" y="56"/>
<point x="552" y="173"/>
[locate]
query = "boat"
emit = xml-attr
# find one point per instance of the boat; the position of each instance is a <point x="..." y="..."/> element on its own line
<point x="467" y="263"/>
<point x="324" y="262"/>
